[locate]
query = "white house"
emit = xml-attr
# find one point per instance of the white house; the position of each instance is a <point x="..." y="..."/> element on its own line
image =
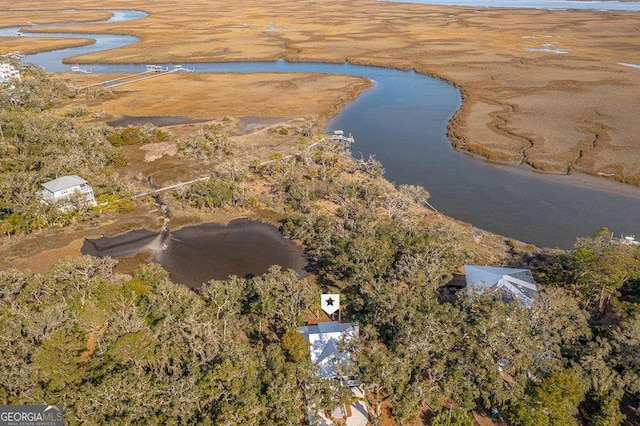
<point x="8" y="72"/>
<point x="329" y="351"/>
<point x="517" y="283"/>
<point x="68" y="186"/>
<point x="327" y="342"/>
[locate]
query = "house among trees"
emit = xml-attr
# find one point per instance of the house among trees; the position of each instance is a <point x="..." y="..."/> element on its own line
<point x="516" y="283"/>
<point x="8" y="72"/>
<point x="328" y="348"/>
<point x="67" y="187"/>
<point x="327" y="341"/>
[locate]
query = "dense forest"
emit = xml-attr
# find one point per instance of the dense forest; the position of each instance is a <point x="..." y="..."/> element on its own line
<point x="139" y="349"/>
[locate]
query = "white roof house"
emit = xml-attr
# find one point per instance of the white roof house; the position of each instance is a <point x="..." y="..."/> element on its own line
<point x="517" y="283"/>
<point x="67" y="186"/>
<point x="326" y="339"/>
<point x="8" y="72"/>
<point x="328" y="348"/>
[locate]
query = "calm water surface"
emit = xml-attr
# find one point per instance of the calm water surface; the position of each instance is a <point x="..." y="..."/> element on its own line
<point x="197" y="254"/>
<point x="631" y="6"/>
<point x="402" y="120"/>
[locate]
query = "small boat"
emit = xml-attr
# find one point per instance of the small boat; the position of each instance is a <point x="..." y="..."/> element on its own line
<point x="629" y="239"/>
<point x="180" y="68"/>
<point x="156" y="68"/>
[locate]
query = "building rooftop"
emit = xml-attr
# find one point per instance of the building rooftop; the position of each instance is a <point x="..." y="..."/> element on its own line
<point x="517" y="282"/>
<point x="64" y="182"/>
<point x="324" y="341"/>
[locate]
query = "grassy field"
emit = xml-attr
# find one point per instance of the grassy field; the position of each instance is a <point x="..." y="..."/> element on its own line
<point x="573" y="111"/>
<point x="209" y="96"/>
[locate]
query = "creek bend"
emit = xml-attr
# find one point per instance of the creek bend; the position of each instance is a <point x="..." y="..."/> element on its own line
<point x="402" y="120"/>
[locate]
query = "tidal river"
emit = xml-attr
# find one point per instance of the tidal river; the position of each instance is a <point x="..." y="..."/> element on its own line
<point x="627" y="6"/>
<point x="402" y="121"/>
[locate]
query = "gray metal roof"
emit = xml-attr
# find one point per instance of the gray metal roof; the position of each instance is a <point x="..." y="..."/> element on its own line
<point x="64" y="182"/>
<point x="517" y="282"/>
<point x="324" y="343"/>
<point x="326" y="327"/>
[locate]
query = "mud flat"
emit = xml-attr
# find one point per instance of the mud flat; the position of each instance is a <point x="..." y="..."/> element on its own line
<point x="125" y="245"/>
<point x="197" y="254"/>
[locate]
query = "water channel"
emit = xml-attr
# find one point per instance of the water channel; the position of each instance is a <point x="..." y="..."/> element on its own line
<point x="402" y="121"/>
<point x="627" y="6"/>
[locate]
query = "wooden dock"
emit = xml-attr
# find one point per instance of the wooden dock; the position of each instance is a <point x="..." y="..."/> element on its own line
<point x="152" y="71"/>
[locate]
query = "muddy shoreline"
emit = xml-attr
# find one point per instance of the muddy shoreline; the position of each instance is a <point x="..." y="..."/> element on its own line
<point x="196" y="254"/>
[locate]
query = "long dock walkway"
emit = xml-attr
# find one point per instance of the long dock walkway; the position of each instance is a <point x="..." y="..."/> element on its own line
<point x="152" y="71"/>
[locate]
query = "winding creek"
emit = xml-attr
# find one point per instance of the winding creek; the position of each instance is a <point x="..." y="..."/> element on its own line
<point x="402" y="120"/>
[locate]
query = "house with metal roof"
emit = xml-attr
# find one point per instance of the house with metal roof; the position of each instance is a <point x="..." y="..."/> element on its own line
<point x="327" y="346"/>
<point x="64" y="188"/>
<point x="516" y="283"/>
<point x="329" y="351"/>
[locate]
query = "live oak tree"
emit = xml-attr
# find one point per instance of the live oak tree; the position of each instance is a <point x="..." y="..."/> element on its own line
<point x="551" y="401"/>
<point x="278" y="299"/>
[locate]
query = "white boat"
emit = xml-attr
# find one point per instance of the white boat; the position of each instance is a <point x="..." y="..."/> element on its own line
<point x="180" y="68"/>
<point x="629" y="239"/>
<point x="156" y="68"/>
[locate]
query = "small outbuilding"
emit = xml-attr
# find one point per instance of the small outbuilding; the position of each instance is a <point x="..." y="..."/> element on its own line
<point x="516" y="283"/>
<point x="65" y="187"/>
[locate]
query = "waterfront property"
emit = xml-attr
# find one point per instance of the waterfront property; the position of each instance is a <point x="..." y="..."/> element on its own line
<point x="516" y="283"/>
<point x="499" y="199"/>
<point x="63" y="189"/>
<point x="328" y="348"/>
<point x="327" y="341"/>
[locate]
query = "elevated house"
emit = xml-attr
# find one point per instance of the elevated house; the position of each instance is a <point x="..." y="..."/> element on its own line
<point x="516" y="284"/>
<point x="8" y="72"/>
<point x="327" y="347"/>
<point x="67" y="187"/>
<point x="329" y="351"/>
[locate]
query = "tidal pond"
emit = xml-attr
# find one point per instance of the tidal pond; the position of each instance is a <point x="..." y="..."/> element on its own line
<point x="196" y="254"/>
